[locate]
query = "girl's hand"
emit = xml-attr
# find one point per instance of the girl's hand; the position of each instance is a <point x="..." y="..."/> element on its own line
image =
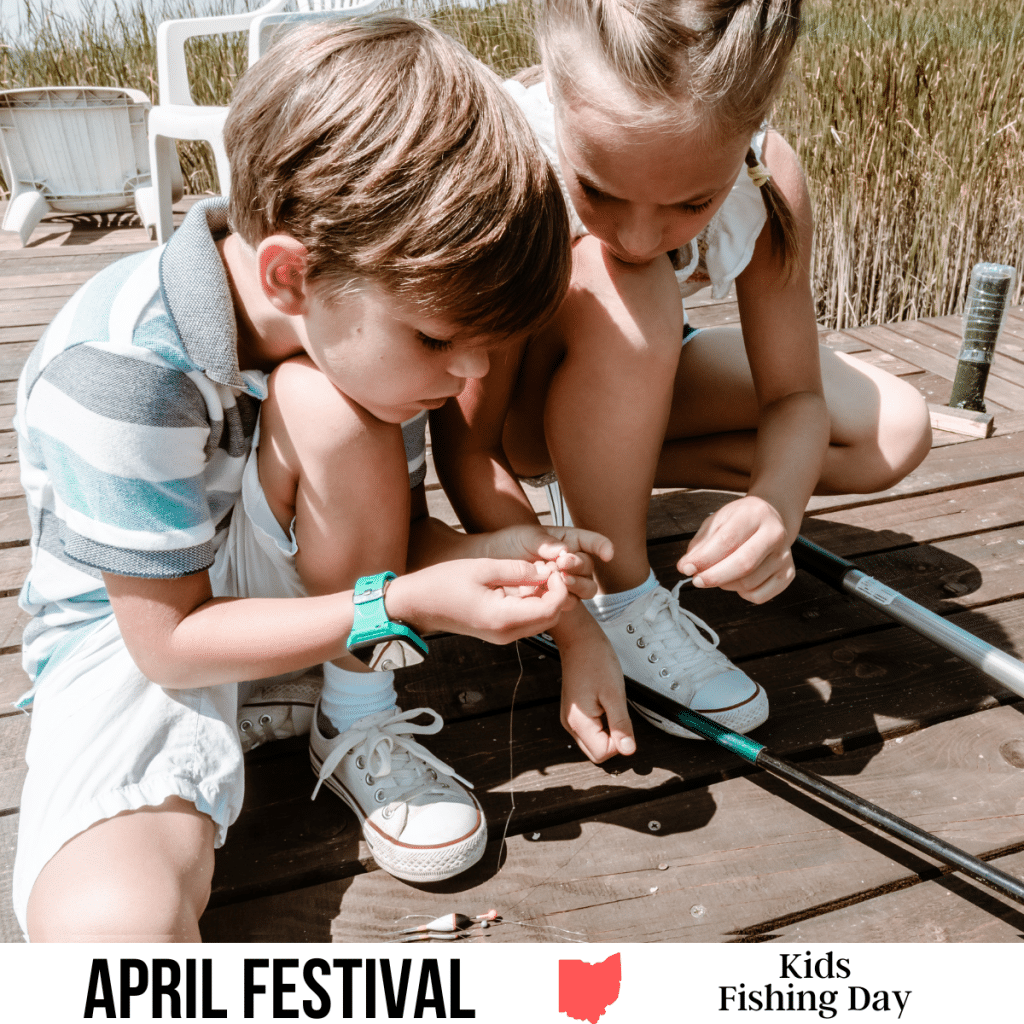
<point x="594" y="710"/>
<point x="744" y="547"/>
<point x="572" y="551"/>
<point x="494" y="600"/>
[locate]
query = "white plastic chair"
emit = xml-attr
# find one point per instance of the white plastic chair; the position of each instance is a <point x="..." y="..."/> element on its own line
<point x="75" y="149"/>
<point x="177" y="116"/>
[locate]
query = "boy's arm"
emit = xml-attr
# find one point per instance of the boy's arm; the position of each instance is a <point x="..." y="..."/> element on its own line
<point x="746" y="545"/>
<point x="181" y="636"/>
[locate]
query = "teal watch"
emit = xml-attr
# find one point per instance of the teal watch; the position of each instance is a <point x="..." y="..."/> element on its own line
<point x="370" y="622"/>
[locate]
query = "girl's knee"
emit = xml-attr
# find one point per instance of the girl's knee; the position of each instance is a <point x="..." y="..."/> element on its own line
<point x="905" y="433"/>
<point x="615" y="310"/>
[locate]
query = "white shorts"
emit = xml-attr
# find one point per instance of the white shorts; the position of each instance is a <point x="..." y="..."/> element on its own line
<point x="104" y="739"/>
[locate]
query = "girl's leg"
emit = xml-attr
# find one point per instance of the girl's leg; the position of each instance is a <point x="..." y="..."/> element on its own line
<point x="141" y="876"/>
<point x="608" y="403"/>
<point x="605" y="416"/>
<point x="880" y="426"/>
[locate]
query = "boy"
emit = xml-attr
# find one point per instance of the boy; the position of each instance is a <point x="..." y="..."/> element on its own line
<point x="197" y="523"/>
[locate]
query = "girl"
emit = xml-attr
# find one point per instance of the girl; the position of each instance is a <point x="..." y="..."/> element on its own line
<point x="653" y="112"/>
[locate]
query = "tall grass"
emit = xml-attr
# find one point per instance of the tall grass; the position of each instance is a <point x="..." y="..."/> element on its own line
<point x="908" y="119"/>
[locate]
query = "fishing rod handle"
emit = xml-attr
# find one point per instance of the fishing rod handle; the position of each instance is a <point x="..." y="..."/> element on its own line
<point x="996" y="664"/>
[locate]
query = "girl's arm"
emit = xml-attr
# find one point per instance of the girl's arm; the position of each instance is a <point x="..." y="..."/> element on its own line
<point x="468" y="453"/>
<point x="745" y="546"/>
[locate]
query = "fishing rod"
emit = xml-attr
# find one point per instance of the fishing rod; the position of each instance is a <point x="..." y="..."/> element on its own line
<point x="758" y="755"/>
<point x="843" y="575"/>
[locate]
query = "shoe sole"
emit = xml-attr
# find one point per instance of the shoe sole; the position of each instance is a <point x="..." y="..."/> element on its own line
<point x="464" y="853"/>
<point x="719" y="715"/>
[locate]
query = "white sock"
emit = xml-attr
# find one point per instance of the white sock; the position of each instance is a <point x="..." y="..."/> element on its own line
<point x="606" y="606"/>
<point x="349" y="696"/>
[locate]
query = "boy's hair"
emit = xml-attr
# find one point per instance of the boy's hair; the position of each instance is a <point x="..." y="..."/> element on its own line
<point x="716" y="64"/>
<point x="393" y="155"/>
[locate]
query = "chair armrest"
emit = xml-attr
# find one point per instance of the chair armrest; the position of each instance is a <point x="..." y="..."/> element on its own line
<point x="171" y="37"/>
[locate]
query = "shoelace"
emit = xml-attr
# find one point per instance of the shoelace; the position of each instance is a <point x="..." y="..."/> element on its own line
<point x="702" y="659"/>
<point x="384" y="740"/>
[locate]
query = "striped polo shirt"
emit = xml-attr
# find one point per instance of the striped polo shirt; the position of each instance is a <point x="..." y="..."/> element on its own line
<point x="134" y="425"/>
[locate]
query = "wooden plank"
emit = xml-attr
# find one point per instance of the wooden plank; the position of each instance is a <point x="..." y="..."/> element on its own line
<point x="13" y="740"/>
<point x="53" y="261"/>
<point x="835" y="696"/>
<point x="972" y="462"/>
<point x="718" y="315"/>
<point x="14" y="566"/>
<point x="33" y="332"/>
<point x="962" y="572"/>
<point x="947" y="335"/>
<point x="9" y="929"/>
<point x="13" y="682"/>
<point x="40" y="283"/>
<point x="718" y="863"/>
<point x="905" y="341"/>
<point x="838" y="342"/>
<point x="16" y="314"/>
<point x="949" y="909"/>
<point x="14" y="525"/>
<point x="678" y="512"/>
<point x="888" y="362"/>
<point x="961" y="421"/>
<point x="10" y="481"/>
<point x="8" y="447"/>
<point x="12" y="624"/>
<point x="923" y="519"/>
<point x="6" y="417"/>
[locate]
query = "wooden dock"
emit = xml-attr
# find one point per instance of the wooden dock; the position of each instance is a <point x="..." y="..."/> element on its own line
<point x="681" y="842"/>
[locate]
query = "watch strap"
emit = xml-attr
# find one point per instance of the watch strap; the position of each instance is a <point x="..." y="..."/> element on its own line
<point x="370" y="622"/>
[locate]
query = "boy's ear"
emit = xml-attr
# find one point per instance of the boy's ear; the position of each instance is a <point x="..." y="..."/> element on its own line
<point x="282" y="263"/>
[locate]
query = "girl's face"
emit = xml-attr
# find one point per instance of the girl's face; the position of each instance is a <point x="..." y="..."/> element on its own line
<point x="643" y="190"/>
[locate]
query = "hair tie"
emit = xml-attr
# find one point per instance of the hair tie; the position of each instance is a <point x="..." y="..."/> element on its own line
<point x="759" y="174"/>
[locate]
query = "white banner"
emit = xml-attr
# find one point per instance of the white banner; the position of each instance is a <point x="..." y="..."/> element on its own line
<point x="514" y="983"/>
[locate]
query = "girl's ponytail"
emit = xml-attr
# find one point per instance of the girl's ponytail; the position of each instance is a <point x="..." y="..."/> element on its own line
<point x="781" y="222"/>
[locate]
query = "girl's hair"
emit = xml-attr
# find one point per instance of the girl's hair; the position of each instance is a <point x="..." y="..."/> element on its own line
<point x="394" y="156"/>
<point x="711" y="65"/>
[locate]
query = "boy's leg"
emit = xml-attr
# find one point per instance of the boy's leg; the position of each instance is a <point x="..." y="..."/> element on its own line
<point x="141" y="876"/>
<point x="129" y="788"/>
<point x="339" y="478"/>
<point x="605" y="421"/>
<point x="880" y="425"/>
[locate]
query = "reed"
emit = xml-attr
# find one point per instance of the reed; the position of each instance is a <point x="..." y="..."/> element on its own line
<point x="908" y="119"/>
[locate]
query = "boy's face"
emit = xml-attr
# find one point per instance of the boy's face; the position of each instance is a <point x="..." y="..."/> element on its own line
<point x="388" y="357"/>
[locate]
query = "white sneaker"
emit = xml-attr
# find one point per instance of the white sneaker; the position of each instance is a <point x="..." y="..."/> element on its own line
<point x="419" y="823"/>
<point x="278" y="710"/>
<point x="670" y="650"/>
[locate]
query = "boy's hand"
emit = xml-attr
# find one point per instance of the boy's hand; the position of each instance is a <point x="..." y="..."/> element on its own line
<point x="571" y="550"/>
<point x="744" y="547"/>
<point x="497" y="600"/>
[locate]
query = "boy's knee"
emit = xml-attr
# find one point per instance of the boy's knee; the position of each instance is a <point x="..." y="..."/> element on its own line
<point x="144" y="876"/>
<point x="310" y="416"/>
